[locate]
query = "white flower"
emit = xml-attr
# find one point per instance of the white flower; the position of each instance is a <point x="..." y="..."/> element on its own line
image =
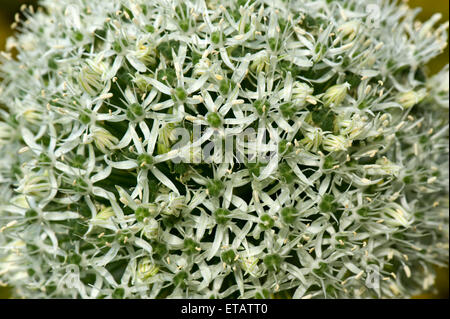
<point x="105" y="213"/>
<point x="203" y="66"/>
<point x="171" y="203"/>
<point x="104" y="140"/>
<point x="92" y="75"/>
<point x="383" y="167"/>
<point x="349" y="29"/>
<point x="335" y="143"/>
<point x="312" y="139"/>
<point x="250" y="265"/>
<point x="141" y="82"/>
<point x="151" y="229"/>
<point x="144" y="51"/>
<point x="20" y="201"/>
<point x="108" y="110"/>
<point x="33" y="115"/>
<point x="395" y="215"/>
<point x="167" y="135"/>
<point x="146" y="269"/>
<point x="260" y="62"/>
<point x="28" y="42"/>
<point x="336" y="94"/>
<point x="411" y="98"/>
<point x="35" y="184"/>
<point x="351" y="127"/>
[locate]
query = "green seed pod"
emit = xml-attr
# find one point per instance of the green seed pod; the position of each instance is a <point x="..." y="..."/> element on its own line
<point x="145" y="160"/>
<point x="190" y="246"/>
<point x="289" y="214"/>
<point x="216" y="37"/>
<point x="272" y="262"/>
<point x="267" y="222"/>
<point x="228" y="257"/>
<point x="214" y="120"/>
<point x="215" y="187"/>
<point x="221" y="216"/>
<point x="327" y="204"/>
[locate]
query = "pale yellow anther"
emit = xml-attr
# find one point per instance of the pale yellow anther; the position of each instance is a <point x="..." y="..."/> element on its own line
<point x="24" y="150"/>
<point x="379" y="46"/>
<point x="407" y="271"/>
<point x="359" y="275"/>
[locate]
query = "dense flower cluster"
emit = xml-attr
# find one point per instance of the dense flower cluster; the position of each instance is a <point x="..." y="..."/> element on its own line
<point x="94" y="204"/>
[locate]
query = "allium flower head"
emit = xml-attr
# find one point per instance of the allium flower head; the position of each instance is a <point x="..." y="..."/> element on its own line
<point x="213" y="149"/>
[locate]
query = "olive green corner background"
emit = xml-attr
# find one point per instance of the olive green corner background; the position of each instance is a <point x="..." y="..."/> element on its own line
<point x="429" y="7"/>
